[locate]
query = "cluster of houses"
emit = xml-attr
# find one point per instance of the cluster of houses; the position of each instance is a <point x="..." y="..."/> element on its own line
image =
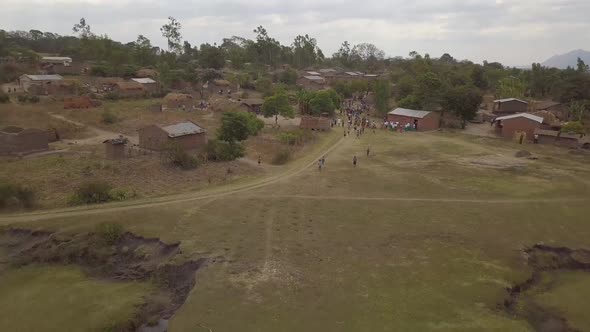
<point x="323" y="78"/>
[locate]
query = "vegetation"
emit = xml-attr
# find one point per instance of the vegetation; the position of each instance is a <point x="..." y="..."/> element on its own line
<point x="109" y="232"/>
<point x="177" y="156"/>
<point x="108" y="117"/>
<point x="295" y="137"/>
<point x="464" y="101"/>
<point x="281" y="157"/>
<point x="16" y="196"/>
<point x="573" y="127"/>
<point x="382" y="95"/>
<point x="277" y="105"/>
<point x="218" y="150"/>
<point x="96" y="192"/>
<point x="4" y="98"/>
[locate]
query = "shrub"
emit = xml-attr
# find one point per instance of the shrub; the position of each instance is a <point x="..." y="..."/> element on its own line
<point x="34" y="99"/>
<point x="254" y="124"/>
<point x="22" y="98"/>
<point x="295" y="137"/>
<point x="92" y="192"/>
<point x="108" y="117"/>
<point x="12" y="195"/>
<point x="112" y="96"/>
<point x="281" y="157"/>
<point x="121" y="195"/>
<point x="244" y="95"/>
<point x="177" y="156"/>
<point x="575" y="127"/>
<point x="4" y="98"/>
<point x="224" y="151"/>
<point x="109" y="232"/>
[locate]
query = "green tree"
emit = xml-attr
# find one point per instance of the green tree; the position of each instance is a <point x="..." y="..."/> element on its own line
<point x="575" y="127"/>
<point x="82" y="29"/>
<point x="429" y="90"/>
<point x="288" y="76"/>
<point x="171" y="31"/>
<point x="322" y="103"/>
<point x="211" y="56"/>
<point x="410" y="102"/>
<point x="382" y="95"/>
<point x="305" y="51"/>
<point x="234" y="127"/>
<point x="478" y="77"/>
<point x="464" y="102"/>
<point x="264" y="86"/>
<point x="277" y="105"/>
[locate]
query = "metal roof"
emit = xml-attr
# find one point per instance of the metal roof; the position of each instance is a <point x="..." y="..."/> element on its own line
<point x="410" y="113"/>
<point x="314" y="78"/>
<point x="57" y="58"/>
<point x="145" y="80"/>
<point x="351" y="73"/>
<point x="535" y="118"/>
<point x="183" y="129"/>
<point x="509" y="99"/>
<point x="45" y="77"/>
<point x="314" y="73"/>
<point x="327" y="70"/>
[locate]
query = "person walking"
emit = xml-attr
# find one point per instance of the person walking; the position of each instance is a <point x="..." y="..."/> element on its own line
<point x="320" y="165"/>
<point x="368" y="150"/>
<point x="259" y="159"/>
<point x="354" y="160"/>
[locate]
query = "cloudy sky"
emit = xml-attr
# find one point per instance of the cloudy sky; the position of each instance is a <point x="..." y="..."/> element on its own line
<point x="514" y="32"/>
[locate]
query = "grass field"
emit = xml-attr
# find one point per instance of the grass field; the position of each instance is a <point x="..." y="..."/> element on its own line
<point x="63" y="299"/>
<point x="423" y="235"/>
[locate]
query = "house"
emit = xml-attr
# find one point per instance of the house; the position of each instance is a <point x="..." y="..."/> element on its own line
<point x="63" y="88"/>
<point x="186" y="134"/>
<point x="253" y="105"/>
<point x="422" y="120"/>
<point x="216" y="86"/>
<point x="516" y="125"/>
<point x="129" y="89"/>
<point x="149" y="85"/>
<point x="106" y="84"/>
<point x="558" y="109"/>
<point x="328" y="72"/>
<point x="147" y="72"/>
<point x="311" y="82"/>
<point x="115" y="148"/>
<point x="37" y="84"/>
<point x="315" y="123"/>
<point x="557" y="138"/>
<point x="313" y="73"/>
<point x="178" y="101"/>
<point x="16" y="140"/>
<point x="80" y="102"/>
<point x="59" y="60"/>
<point x="509" y="106"/>
<point x="59" y="65"/>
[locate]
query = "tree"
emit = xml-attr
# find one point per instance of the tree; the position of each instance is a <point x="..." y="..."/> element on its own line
<point x="582" y="66"/>
<point x="288" y="76"/>
<point x="211" y="56"/>
<point x="575" y="127"/>
<point x="305" y="51"/>
<point x="343" y="54"/>
<point x="479" y="78"/>
<point x="382" y="95"/>
<point x="143" y="50"/>
<point x="322" y="103"/>
<point x="277" y="105"/>
<point x="464" y="102"/>
<point x="410" y="102"/>
<point x="429" y="90"/>
<point x="268" y="49"/>
<point x="264" y="86"/>
<point x="578" y="109"/>
<point x="234" y="127"/>
<point x="82" y="29"/>
<point x="171" y="31"/>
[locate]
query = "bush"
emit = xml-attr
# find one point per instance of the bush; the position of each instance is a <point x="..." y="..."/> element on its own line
<point x="111" y="96"/>
<point x="4" y="98"/>
<point x="224" y="151"/>
<point x="110" y="232"/>
<point x="108" y="117"/>
<point x="27" y="98"/>
<point x="178" y="157"/>
<point x="34" y="99"/>
<point x="575" y="127"/>
<point x="281" y="157"/>
<point x="12" y="195"/>
<point x="92" y="192"/>
<point x="254" y="124"/>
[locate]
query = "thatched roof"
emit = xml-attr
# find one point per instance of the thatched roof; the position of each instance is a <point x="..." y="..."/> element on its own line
<point x="147" y="72"/>
<point x="547" y="116"/>
<point x="129" y="85"/>
<point x="221" y="82"/>
<point x="177" y="97"/>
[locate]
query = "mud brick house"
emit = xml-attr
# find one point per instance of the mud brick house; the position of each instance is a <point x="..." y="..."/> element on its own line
<point x="515" y="125"/>
<point x="38" y="84"/>
<point x="129" y="89"/>
<point x="115" y="148"/>
<point x="16" y="140"/>
<point x="59" y="65"/>
<point x="311" y="82"/>
<point x="178" y="101"/>
<point x="253" y="105"/>
<point x="188" y="135"/>
<point x="423" y="120"/>
<point x="315" y="123"/>
<point x="80" y="102"/>
<point x="509" y="106"/>
<point x="557" y="138"/>
<point x="148" y="84"/>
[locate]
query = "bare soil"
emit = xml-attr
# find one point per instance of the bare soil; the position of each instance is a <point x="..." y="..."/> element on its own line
<point x="128" y="258"/>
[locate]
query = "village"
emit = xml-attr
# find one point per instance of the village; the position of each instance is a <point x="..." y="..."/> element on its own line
<point x="255" y="186"/>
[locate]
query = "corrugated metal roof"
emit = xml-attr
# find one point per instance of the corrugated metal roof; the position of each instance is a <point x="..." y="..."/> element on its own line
<point x="183" y="129"/>
<point x="509" y="99"/>
<point x="409" y="112"/>
<point x="327" y="70"/>
<point x="351" y="73"/>
<point x="57" y="58"/>
<point x="145" y="80"/>
<point x="521" y="115"/>
<point x="314" y="78"/>
<point x="45" y="77"/>
<point x="314" y="73"/>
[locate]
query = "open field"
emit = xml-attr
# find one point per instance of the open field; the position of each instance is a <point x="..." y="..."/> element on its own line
<point x="425" y="234"/>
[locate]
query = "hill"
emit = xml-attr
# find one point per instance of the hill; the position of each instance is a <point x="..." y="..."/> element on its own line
<point x="569" y="59"/>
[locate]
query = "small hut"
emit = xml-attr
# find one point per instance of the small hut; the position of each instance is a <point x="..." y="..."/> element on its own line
<point x="16" y="140"/>
<point x="115" y="148"/>
<point x="176" y="101"/>
<point x="252" y="105"/>
<point x="315" y="123"/>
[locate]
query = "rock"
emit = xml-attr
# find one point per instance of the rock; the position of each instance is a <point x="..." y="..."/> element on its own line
<point x="522" y="153"/>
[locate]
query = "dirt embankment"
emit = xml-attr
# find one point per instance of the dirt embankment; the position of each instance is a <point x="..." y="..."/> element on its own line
<point x="543" y="258"/>
<point x="125" y="257"/>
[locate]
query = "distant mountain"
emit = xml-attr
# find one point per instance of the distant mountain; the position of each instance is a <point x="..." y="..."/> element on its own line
<point x="568" y="59"/>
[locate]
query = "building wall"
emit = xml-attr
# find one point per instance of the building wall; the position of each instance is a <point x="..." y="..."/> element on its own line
<point x="26" y="141"/>
<point x="511" y="127"/>
<point x="130" y="92"/>
<point x="315" y="123"/>
<point x="150" y="87"/>
<point x="154" y="138"/>
<point x="511" y="107"/>
<point x="114" y="151"/>
<point x="309" y="85"/>
<point x="25" y="82"/>
<point x="428" y="123"/>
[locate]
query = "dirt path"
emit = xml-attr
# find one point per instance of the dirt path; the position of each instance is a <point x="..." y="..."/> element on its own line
<point x="100" y="135"/>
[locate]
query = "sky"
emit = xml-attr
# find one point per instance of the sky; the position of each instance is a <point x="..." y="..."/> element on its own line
<point x="514" y="32"/>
